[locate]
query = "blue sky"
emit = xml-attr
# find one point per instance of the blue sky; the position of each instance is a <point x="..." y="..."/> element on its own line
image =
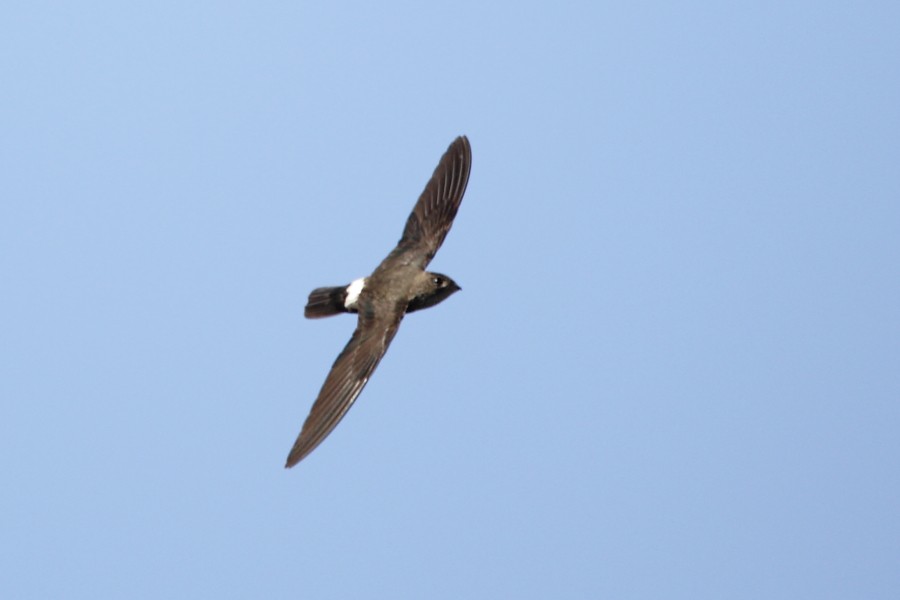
<point x="673" y="370"/>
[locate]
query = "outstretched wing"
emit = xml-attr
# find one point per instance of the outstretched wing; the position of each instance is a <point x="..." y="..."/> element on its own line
<point x="433" y="214"/>
<point x="347" y="378"/>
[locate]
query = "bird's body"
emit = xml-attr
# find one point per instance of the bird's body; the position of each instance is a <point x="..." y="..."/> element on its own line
<point x="399" y="285"/>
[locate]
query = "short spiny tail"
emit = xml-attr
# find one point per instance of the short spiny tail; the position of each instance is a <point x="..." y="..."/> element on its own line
<point x="326" y="302"/>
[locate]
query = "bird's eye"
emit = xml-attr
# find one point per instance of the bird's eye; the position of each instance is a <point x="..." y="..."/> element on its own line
<point x="438" y="281"/>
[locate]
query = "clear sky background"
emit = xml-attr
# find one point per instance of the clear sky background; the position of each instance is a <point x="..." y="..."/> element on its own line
<point x="673" y="370"/>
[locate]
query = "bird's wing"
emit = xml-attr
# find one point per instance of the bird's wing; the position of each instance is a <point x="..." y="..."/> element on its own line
<point x="347" y="378"/>
<point x="430" y="220"/>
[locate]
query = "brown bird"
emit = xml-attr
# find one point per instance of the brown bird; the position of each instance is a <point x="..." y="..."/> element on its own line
<point x="399" y="285"/>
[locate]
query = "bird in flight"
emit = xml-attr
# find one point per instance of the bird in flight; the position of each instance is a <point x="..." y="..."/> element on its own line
<point x="399" y="285"/>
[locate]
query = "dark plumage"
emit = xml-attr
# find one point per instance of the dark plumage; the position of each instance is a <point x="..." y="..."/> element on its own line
<point x="400" y="284"/>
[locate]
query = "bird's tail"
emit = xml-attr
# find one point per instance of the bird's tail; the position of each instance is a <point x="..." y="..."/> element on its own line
<point x="325" y="302"/>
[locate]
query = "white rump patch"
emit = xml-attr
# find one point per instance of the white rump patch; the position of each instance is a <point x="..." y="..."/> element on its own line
<point x="353" y="291"/>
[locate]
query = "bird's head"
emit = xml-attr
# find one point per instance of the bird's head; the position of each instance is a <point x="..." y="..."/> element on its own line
<point x="434" y="289"/>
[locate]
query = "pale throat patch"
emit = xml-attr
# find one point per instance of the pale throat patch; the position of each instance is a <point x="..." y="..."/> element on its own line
<point x="353" y="291"/>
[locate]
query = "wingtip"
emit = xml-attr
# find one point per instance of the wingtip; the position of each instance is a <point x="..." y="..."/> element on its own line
<point x="465" y="149"/>
<point x="294" y="456"/>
